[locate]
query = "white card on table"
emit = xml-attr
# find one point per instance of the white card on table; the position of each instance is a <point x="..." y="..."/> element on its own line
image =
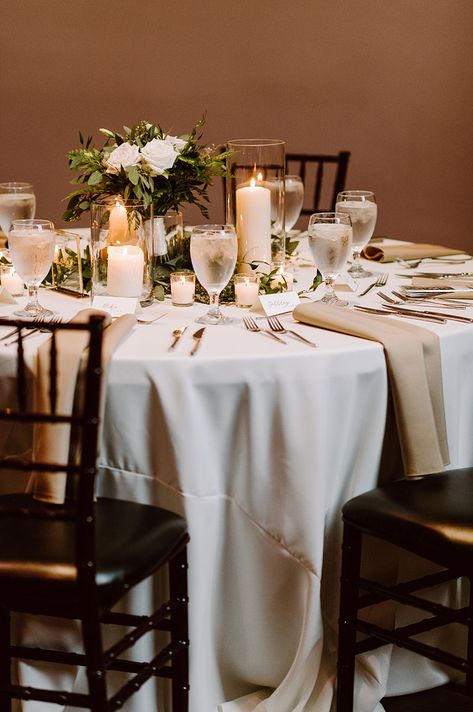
<point x="345" y="278"/>
<point x="279" y="303"/>
<point x="115" y="306"/>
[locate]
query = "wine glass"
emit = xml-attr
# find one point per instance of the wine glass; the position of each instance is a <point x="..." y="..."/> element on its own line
<point x="213" y="255"/>
<point x="31" y="244"/>
<point x="293" y="201"/>
<point x="330" y="243"/>
<point x="17" y="202"/>
<point x="361" y="206"/>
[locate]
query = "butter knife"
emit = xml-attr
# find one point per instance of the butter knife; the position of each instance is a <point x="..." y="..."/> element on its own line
<point x="197" y="336"/>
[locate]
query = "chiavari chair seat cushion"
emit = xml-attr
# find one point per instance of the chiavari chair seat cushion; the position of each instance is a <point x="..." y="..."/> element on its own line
<point x="432" y="516"/>
<point x="37" y="556"/>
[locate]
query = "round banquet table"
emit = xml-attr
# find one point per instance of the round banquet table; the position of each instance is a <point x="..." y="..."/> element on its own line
<point x="259" y="444"/>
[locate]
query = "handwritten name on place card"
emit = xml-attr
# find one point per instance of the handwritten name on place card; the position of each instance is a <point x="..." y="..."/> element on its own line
<point x="279" y="303"/>
<point x="115" y="306"/>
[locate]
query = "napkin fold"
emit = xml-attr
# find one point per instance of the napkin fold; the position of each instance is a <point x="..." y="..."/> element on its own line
<point x="433" y="282"/>
<point x="415" y="251"/>
<point x="51" y="442"/>
<point x="6" y="297"/>
<point x="415" y="377"/>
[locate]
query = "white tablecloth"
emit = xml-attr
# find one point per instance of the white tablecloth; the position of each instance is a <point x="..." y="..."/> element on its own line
<point x="259" y="444"/>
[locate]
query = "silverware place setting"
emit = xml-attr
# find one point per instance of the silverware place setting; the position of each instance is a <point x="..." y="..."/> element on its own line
<point x="177" y="334"/>
<point x="380" y="282"/>
<point x="197" y="336"/>
<point x="275" y="325"/>
<point x="251" y="325"/>
<point x="391" y="311"/>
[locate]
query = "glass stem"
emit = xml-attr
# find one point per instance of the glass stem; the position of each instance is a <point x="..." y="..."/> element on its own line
<point x="214" y="304"/>
<point x="356" y="266"/>
<point x="33" y="298"/>
<point x="329" y="290"/>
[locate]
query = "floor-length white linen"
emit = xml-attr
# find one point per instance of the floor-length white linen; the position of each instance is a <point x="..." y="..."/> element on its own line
<point x="258" y="452"/>
<point x="259" y="445"/>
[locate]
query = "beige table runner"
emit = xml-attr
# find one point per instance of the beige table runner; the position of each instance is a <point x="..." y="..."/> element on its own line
<point x="415" y="376"/>
<point x="51" y="441"/>
<point x="417" y="251"/>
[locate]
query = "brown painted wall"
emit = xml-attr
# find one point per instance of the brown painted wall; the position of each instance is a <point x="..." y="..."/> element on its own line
<point x="389" y="80"/>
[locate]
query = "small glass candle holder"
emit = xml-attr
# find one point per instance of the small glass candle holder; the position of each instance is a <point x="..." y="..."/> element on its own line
<point x="182" y="288"/>
<point x="246" y="289"/>
<point x="11" y="281"/>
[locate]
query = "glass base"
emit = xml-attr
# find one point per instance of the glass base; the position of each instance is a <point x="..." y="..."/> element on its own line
<point x="213" y="320"/>
<point x="34" y="312"/>
<point x="334" y="301"/>
<point x="356" y="270"/>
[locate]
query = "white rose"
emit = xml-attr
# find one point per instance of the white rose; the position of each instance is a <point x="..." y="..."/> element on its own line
<point x="178" y="143"/>
<point x="160" y="155"/>
<point x="127" y="154"/>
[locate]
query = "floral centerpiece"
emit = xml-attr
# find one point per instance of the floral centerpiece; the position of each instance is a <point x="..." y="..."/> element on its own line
<point x="145" y="164"/>
<point x="158" y="170"/>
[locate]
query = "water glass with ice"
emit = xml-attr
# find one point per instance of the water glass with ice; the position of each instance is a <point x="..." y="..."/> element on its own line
<point x="213" y="255"/>
<point x="329" y="238"/>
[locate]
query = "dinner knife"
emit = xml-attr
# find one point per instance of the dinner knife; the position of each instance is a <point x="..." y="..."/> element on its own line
<point x="384" y="312"/>
<point x="439" y="275"/>
<point x="197" y="336"/>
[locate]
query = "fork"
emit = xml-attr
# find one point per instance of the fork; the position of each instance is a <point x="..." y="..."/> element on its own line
<point x="10" y="333"/>
<point x="251" y="325"/>
<point x="275" y="325"/>
<point x="404" y="301"/>
<point x="380" y="282"/>
<point x="55" y="319"/>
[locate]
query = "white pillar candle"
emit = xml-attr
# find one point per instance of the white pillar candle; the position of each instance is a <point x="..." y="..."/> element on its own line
<point x="253" y="218"/>
<point x="182" y="290"/>
<point x="246" y="292"/>
<point x="117" y="223"/>
<point x="13" y="282"/>
<point x="125" y="271"/>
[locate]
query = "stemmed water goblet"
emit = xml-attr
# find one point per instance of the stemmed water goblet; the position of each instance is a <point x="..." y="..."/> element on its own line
<point x="330" y="244"/>
<point x="31" y="244"/>
<point x="213" y="255"/>
<point x="17" y="202"/>
<point x="361" y="206"/>
<point x="293" y="201"/>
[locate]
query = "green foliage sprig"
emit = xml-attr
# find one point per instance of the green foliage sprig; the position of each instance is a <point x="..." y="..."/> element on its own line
<point x="147" y="165"/>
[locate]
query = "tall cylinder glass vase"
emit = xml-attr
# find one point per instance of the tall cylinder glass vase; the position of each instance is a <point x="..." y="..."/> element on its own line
<point x="255" y="202"/>
<point x="122" y="249"/>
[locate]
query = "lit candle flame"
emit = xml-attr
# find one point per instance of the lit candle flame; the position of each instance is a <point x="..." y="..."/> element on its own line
<point x="252" y="183"/>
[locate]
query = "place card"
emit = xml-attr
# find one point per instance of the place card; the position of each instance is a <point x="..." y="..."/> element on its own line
<point x="347" y="279"/>
<point x="279" y="303"/>
<point x="115" y="306"/>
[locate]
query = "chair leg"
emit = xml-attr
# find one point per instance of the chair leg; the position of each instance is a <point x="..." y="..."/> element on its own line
<point x="179" y="632"/>
<point x="93" y="648"/>
<point x="5" y="660"/>
<point x="469" y="672"/>
<point x="351" y="562"/>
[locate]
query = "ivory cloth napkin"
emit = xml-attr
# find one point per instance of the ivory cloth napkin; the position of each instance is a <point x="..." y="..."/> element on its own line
<point x="432" y="282"/>
<point x="389" y="253"/>
<point x="415" y="377"/>
<point x="51" y="441"/>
